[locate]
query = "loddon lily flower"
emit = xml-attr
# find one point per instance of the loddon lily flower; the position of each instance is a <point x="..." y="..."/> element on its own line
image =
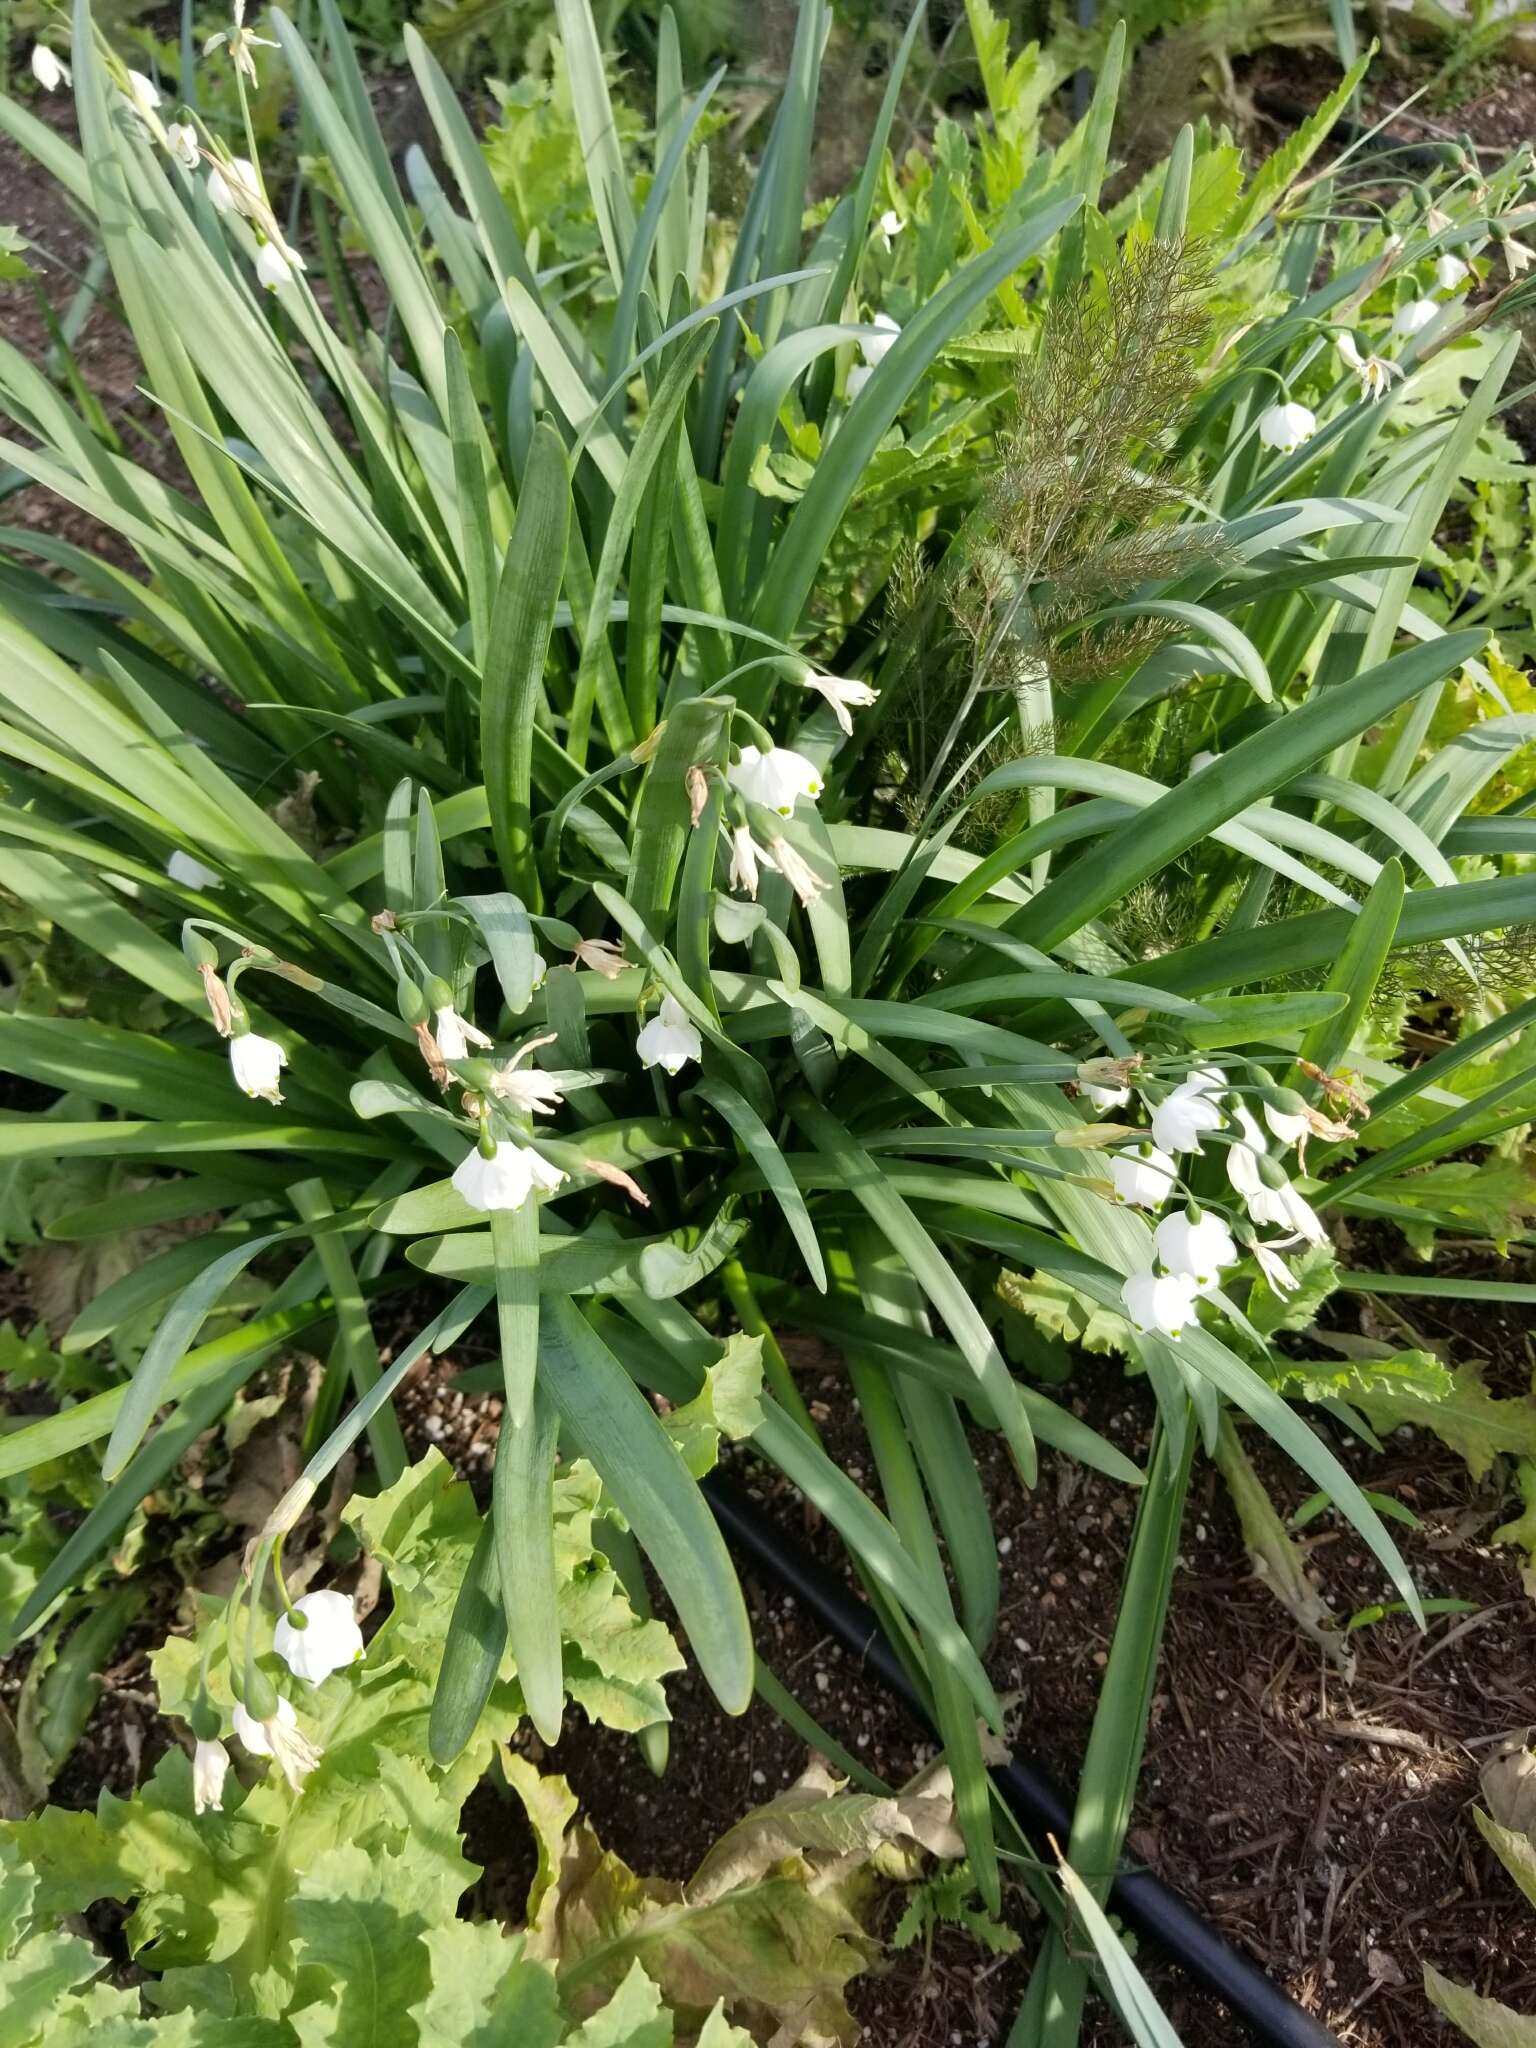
<point x="1414" y="317"/>
<point x="1144" y="1179"/>
<point x="277" y="266"/>
<point x="455" y="1034"/>
<point x="1179" y="1120"/>
<point x="181" y="141"/>
<point x="280" y="1738"/>
<point x="1450" y="271"/>
<point x="50" y="71"/>
<point x="1285" y="427"/>
<point x="602" y="956"/>
<point x="506" y="1179"/>
<point x="257" y="1063"/>
<point x="1375" y="372"/>
<point x="670" y="1040"/>
<point x="210" y="1766"/>
<point x="1197" y="1248"/>
<point x="746" y="856"/>
<point x="874" y="348"/>
<point x="1160" y="1304"/>
<point x="775" y="779"/>
<point x="844" y="696"/>
<point x="234" y="187"/>
<point x="528" y="1089"/>
<point x="329" y="1640"/>
<point x="241" y="41"/>
<point x="143" y="93"/>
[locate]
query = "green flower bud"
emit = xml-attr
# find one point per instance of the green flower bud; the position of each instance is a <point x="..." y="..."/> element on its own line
<point x="258" y="1694"/>
<point x="439" y="994"/>
<point x="204" y="1719"/>
<point x="198" y="947"/>
<point x="410" y="1002"/>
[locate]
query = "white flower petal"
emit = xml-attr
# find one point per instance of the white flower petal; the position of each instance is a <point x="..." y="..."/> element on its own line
<point x="330" y="1640"/>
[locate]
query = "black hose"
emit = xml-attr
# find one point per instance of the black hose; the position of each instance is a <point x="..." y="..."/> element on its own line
<point x="1144" y="1902"/>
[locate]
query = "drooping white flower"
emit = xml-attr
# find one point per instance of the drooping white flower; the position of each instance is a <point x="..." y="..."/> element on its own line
<point x="455" y="1034"/>
<point x="1274" y="1268"/>
<point x="280" y="1738"/>
<point x="210" y="1763"/>
<point x="49" y="70"/>
<point x="1286" y="426"/>
<point x="669" y="1040"/>
<point x="795" y="869"/>
<point x="1518" y="257"/>
<point x="1143" y="1178"/>
<point x="1106" y="1098"/>
<point x="775" y="779"/>
<point x="257" y="1063"/>
<point x="845" y="697"/>
<point x="144" y="93"/>
<point x="602" y="956"/>
<point x="1179" y="1120"/>
<point x="888" y="227"/>
<point x="745" y="856"/>
<point x="1198" y="1250"/>
<point x="874" y="348"/>
<point x="234" y="187"/>
<point x="192" y="873"/>
<point x="528" y="1089"/>
<point x="506" y="1179"/>
<point x="181" y="141"/>
<point x="329" y="1640"/>
<point x="1295" y="1213"/>
<point x="1375" y="372"/>
<point x="1414" y="317"/>
<point x="1289" y="1126"/>
<point x="276" y="267"/>
<point x="1450" y="271"/>
<point x="1159" y="1302"/>
<point x="243" y="43"/>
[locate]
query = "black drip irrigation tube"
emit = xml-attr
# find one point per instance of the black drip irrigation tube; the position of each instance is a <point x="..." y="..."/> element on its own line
<point x="1143" y="1901"/>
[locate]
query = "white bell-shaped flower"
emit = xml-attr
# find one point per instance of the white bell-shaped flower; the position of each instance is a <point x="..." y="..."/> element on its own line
<point x="1375" y="372"/>
<point x="1198" y="1250"/>
<point x="1279" y="1275"/>
<point x="844" y="696"/>
<point x="329" y="1640"/>
<point x="795" y="869"/>
<point x="1289" y="1126"/>
<point x="1105" y="1098"/>
<point x="181" y="141"/>
<point x="1159" y="1303"/>
<point x="874" y="348"/>
<point x="1414" y="317"/>
<point x="506" y="1179"/>
<point x="192" y="873"/>
<point x="775" y="779"/>
<point x="1450" y="271"/>
<point x="455" y="1034"/>
<point x="1179" y="1120"/>
<point x="529" y="1089"/>
<point x="275" y="267"/>
<point x="143" y="93"/>
<point x="670" y="1040"/>
<point x="257" y="1063"/>
<point x="1286" y="426"/>
<point x="746" y="855"/>
<point x="50" y="71"/>
<point x="1144" y="1179"/>
<point x="234" y="188"/>
<point x="210" y="1765"/>
<point x="280" y="1738"/>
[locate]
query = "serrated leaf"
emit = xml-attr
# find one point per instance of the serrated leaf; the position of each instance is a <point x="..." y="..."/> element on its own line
<point x="727" y="1404"/>
<point x="1485" y="2022"/>
<point x="1474" y="1423"/>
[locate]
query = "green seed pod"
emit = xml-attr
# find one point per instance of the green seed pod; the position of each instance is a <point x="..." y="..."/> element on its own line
<point x="260" y="1694"/>
<point x="410" y="1002"/>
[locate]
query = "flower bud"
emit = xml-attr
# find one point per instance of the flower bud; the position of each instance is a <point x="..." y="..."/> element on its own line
<point x="410" y="1002"/>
